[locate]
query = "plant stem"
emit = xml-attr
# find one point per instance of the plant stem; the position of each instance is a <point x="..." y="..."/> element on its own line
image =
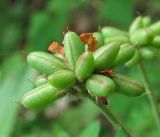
<point x="149" y="92"/>
<point x="106" y="111"/>
<point x="110" y="116"/>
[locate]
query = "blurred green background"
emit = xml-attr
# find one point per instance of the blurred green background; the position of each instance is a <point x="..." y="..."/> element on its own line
<point x="28" y="25"/>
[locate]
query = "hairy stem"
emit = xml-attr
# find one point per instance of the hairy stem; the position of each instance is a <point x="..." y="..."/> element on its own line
<point x="150" y="93"/>
<point x="106" y="111"/>
<point x="111" y="117"/>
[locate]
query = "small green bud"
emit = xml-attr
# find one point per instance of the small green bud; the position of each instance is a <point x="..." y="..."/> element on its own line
<point x="134" y="60"/>
<point x="100" y="85"/>
<point x="156" y="41"/>
<point x="73" y="48"/>
<point x="45" y="63"/>
<point x="41" y="81"/>
<point x="120" y="39"/>
<point x="84" y="66"/>
<point x="136" y="24"/>
<point x="62" y="79"/>
<point x="99" y="38"/>
<point x="146" y="21"/>
<point x="42" y="96"/>
<point x="125" y="53"/>
<point x="155" y="28"/>
<point x="111" y="31"/>
<point x="127" y="86"/>
<point x="141" y="37"/>
<point x="105" y="56"/>
<point x="147" y="53"/>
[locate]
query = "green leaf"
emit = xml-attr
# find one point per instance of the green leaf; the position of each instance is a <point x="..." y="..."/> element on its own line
<point x="92" y="130"/>
<point x="14" y="85"/>
<point x="29" y="135"/>
<point x="47" y="25"/>
<point x="120" y="133"/>
<point x="63" y="134"/>
<point x="120" y="12"/>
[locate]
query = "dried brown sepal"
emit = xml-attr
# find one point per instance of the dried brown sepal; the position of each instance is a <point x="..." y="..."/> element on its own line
<point x="107" y="72"/>
<point x="102" y="100"/>
<point x="55" y="47"/>
<point x="90" y="40"/>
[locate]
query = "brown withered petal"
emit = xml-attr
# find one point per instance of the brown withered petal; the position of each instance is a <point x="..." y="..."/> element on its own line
<point x="90" y="40"/>
<point x="102" y="100"/>
<point x="55" y="47"/>
<point x="107" y="72"/>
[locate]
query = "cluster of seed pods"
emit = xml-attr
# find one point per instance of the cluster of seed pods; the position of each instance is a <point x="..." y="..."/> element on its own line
<point x="142" y="33"/>
<point x="90" y="59"/>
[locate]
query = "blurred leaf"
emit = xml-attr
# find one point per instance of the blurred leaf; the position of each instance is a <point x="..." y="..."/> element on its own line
<point x="47" y="26"/>
<point x="120" y="12"/>
<point x="41" y="31"/>
<point x="13" y="17"/>
<point x="30" y="135"/>
<point x="12" y="88"/>
<point x="120" y="133"/>
<point x="92" y="130"/>
<point x="86" y="111"/>
<point x="141" y="114"/>
<point x="11" y="37"/>
<point x="63" y="134"/>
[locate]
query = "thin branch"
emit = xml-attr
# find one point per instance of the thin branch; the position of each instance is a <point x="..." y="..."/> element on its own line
<point x="150" y="93"/>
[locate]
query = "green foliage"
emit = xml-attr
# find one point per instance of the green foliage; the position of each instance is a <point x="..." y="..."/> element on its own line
<point x="92" y="130"/>
<point x="12" y="88"/>
<point x="48" y="24"/>
<point x="33" y="25"/>
<point x="63" y="134"/>
<point x="120" y="12"/>
<point x="120" y="133"/>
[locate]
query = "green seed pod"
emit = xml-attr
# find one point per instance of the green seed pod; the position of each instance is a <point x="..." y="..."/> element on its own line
<point x="100" y="85"/>
<point x="42" y="96"/>
<point x="73" y="48"/>
<point x="146" y="21"/>
<point x="156" y="41"/>
<point x="120" y="39"/>
<point x="59" y="56"/>
<point x="62" y="79"/>
<point x="141" y="37"/>
<point x="99" y="38"/>
<point x="41" y="81"/>
<point x="136" y="24"/>
<point x="155" y="28"/>
<point x="128" y="86"/>
<point x="111" y="31"/>
<point x="45" y="63"/>
<point x="84" y="66"/>
<point x="134" y="60"/>
<point x="125" y="53"/>
<point x="105" y="56"/>
<point x="147" y="53"/>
